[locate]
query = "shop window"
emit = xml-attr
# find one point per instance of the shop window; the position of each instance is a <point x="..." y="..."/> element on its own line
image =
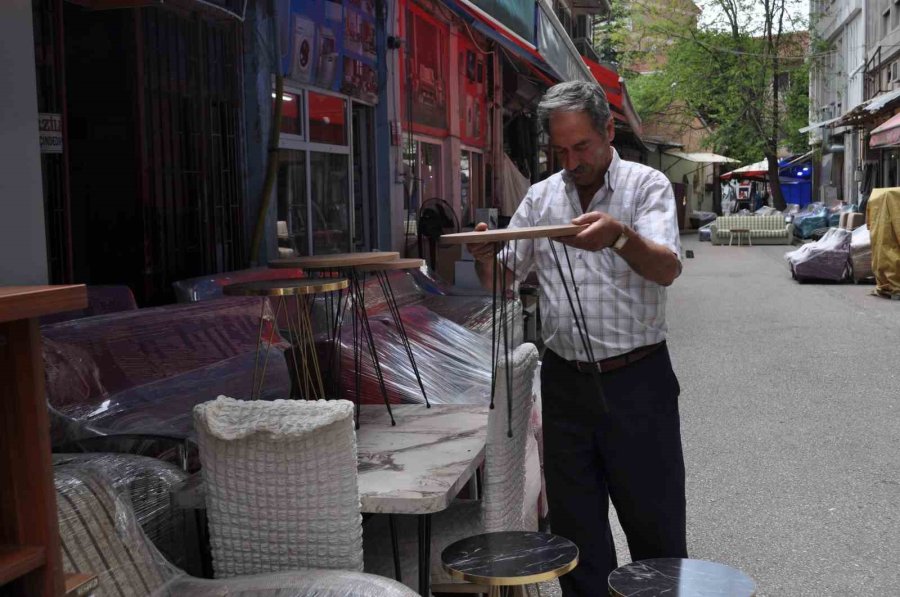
<point x="292" y="228"/>
<point x="471" y="184"/>
<point x="426" y="78"/>
<point x="330" y="202"/>
<point x="291" y="113"/>
<point x="327" y="119"/>
<point x="425" y="171"/>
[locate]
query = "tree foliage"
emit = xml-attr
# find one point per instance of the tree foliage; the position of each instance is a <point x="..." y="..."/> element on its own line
<point x="744" y="74"/>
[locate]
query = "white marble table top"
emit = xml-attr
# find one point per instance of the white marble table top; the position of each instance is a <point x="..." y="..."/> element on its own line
<point x="416" y="467"/>
<point x="420" y="465"/>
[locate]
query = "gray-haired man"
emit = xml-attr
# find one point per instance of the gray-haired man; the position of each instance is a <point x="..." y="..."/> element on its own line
<point x="622" y="263"/>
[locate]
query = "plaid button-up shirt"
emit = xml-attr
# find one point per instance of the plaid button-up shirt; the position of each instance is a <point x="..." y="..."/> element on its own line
<point x="622" y="309"/>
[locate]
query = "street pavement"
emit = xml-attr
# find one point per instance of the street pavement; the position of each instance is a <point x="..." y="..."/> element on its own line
<point x="790" y="406"/>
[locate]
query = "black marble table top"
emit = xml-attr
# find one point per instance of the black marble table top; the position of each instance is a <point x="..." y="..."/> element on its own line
<point x="510" y="558"/>
<point x="675" y="577"/>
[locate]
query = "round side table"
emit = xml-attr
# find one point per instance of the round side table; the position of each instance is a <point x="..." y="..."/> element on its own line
<point x="300" y="330"/>
<point x="677" y="577"/>
<point x="509" y="559"/>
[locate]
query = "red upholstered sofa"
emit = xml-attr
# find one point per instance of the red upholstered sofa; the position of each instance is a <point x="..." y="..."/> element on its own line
<point x="142" y="371"/>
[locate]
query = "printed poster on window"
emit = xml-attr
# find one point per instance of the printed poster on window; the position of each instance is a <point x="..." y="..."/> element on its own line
<point x="330" y="44"/>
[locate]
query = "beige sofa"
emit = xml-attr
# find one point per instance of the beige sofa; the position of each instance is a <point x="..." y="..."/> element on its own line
<point x="764" y="230"/>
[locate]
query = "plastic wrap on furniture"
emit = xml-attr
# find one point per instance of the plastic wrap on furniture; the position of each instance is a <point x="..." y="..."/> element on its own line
<point x="101" y="300"/>
<point x="861" y="254"/>
<point x="100" y="535"/>
<point x="146" y="483"/>
<point x="505" y="504"/>
<point x="826" y="259"/>
<point x="281" y="485"/>
<point x="143" y="370"/>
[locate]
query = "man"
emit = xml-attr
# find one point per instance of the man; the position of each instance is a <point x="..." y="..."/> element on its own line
<point x="622" y="263"/>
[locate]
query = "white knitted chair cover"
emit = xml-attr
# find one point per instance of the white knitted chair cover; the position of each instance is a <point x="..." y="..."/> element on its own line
<point x="503" y="504"/>
<point x="281" y="485"/>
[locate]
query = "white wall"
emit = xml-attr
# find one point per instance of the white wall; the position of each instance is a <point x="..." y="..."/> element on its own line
<point x="23" y="248"/>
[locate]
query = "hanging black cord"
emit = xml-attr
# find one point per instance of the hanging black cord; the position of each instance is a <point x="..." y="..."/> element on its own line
<point x="585" y="342"/>
<point x="388" y="292"/>
<point x="494" y="343"/>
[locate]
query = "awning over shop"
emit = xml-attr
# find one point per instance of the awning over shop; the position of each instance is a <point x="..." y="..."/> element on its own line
<point x="887" y="134"/>
<point x="700" y="157"/>
<point x="869" y="109"/>
<point x="617" y="94"/>
<point x="816" y="125"/>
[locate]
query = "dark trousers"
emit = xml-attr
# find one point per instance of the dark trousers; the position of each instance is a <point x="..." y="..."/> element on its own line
<point x="632" y="455"/>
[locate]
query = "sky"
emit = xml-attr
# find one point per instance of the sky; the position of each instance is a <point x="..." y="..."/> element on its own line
<point x="752" y="11"/>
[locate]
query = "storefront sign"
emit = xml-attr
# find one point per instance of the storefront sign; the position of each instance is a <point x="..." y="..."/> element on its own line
<point x="515" y="15"/>
<point x="50" y="132"/>
<point x="330" y="44"/>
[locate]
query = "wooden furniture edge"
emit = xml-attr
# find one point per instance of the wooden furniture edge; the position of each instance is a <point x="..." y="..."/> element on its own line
<point x="26" y="302"/>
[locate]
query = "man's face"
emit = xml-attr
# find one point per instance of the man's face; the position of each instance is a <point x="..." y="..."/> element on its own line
<point x="582" y="151"/>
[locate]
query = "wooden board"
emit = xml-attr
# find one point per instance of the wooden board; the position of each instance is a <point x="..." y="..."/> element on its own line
<point x="336" y="260"/>
<point x="19" y="561"/>
<point x="508" y="234"/>
<point x="286" y="287"/>
<point x="397" y="264"/>
<point x="24" y="302"/>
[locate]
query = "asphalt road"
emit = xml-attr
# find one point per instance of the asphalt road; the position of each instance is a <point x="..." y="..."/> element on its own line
<point x="790" y="411"/>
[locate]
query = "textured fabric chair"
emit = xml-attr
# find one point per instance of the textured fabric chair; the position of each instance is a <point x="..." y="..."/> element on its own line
<point x="281" y="485"/>
<point x="100" y="535"/>
<point x="505" y="505"/>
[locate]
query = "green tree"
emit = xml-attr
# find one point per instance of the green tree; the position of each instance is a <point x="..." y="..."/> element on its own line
<point x="744" y="74"/>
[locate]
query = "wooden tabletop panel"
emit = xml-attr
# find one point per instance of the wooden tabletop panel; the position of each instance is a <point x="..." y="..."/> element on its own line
<point x="508" y="234"/>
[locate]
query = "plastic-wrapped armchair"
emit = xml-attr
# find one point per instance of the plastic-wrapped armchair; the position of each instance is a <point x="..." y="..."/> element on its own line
<point x="100" y="535"/>
<point x="281" y="484"/>
<point x="509" y="501"/>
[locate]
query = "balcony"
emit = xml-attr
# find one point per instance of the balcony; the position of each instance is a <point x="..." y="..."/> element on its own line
<point x="586" y="48"/>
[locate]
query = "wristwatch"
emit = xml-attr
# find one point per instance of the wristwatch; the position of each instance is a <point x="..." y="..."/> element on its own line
<point x="620" y="242"/>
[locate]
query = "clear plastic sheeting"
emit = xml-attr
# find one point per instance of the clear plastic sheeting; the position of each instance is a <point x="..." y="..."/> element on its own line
<point x="861" y="255"/>
<point x="454" y="362"/>
<point x="100" y="535"/>
<point x="814" y="217"/>
<point x="145" y="483"/>
<point x="307" y="583"/>
<point x="825" y="259"/>
<point x="143" y="371"/>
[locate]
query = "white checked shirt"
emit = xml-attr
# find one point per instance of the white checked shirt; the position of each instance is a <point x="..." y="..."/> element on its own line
<point x="623" y="310"/>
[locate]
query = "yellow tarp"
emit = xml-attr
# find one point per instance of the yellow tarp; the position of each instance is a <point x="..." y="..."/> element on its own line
<point x="883" y="217"/>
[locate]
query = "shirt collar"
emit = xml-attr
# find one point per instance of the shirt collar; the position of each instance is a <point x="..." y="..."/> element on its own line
<point x="609" y="183"/>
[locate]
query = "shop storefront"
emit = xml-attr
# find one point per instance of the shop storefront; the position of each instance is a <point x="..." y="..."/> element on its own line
<point x="324" y="191"/>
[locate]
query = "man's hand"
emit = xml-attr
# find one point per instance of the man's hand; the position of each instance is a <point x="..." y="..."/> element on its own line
<point x="483" y="252"/>
<point x="602" y="232"/>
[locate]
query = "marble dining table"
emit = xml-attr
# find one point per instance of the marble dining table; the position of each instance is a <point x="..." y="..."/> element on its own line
<point x="414" y="468"/>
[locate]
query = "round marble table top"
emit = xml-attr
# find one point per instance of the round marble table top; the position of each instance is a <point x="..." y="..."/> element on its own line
<point x="510" y="558"/>
<point x="335" y="260"/>
<point x="285" y="287"/>
<point x="680" y="578"/>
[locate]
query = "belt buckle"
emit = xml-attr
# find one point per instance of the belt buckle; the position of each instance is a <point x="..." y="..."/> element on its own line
<point x="585" y="366"/>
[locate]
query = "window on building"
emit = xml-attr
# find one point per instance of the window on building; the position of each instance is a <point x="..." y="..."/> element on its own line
<point x="471" y="184"/>
<point x="424" y="171"/>
<point x="313" y="195"/>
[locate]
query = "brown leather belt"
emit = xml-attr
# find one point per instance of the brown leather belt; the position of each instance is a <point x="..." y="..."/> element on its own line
<point x="616" y="362"/>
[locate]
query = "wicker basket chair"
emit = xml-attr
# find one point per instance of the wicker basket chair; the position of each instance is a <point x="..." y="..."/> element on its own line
<point x="281" y="485"/>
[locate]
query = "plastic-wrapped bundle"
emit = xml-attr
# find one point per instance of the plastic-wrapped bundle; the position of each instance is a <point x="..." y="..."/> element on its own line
<point x="454" y="362"/>
<point x="100" y="535"/>
<point x="146" y="483"/>
<point x="825" y="259"/>
<point x="143" y="371"/>
<point x="861" y="254"/>
<point x="814" y="217"/>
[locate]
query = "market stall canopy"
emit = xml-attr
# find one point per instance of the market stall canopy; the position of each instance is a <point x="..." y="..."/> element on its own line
<point x="755" y="170"/>
<point x="700" y="157"/>
<point x="887" y="134"/>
